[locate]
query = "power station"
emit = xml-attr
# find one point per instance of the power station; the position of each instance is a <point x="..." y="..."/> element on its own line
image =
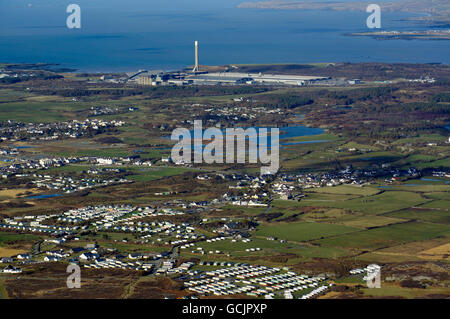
<point x="204" y="77"/>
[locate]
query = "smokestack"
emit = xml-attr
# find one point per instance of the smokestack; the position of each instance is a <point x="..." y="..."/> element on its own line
<point x="196" y="57"/>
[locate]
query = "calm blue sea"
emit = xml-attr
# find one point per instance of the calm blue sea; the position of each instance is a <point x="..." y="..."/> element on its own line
<point x="148" y="34"/>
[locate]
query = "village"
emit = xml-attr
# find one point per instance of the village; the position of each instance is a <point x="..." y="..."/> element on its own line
<point x="244" y="189"/>
<point x="65" y="242"/>
<point x="105" y="237"/>
<point x="110" y="110"/>
<point x="12" y="131"/>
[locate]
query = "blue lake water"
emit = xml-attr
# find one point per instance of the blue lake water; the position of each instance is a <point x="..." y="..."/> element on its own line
<point x="305" y="142"/>
<point x="434" y="180"/>
<point x="407" y="185"/>
<point x="44" y="196"/>
<point x="148" y="34"/>
<point x="391" y="186"/>
<point x="430" y="179"/>
<point x="294" y="131"/>
<point x="285" y="132"/>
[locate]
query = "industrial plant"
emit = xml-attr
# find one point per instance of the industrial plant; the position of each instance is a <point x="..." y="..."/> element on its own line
<point x="196" y="76"/>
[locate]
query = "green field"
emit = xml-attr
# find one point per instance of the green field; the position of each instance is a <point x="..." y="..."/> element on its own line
<point x="229" y="246"/>
<point x="154" y="173"/>
<point x="3" y="292"/>
<point x="319" y="137"/>
<point x="381" y="203"/>
<point x="326" y="199"/>
<point x="414" y="186"/>
<point x="99" y="152"/>
<point x="38" y="111"/>
<point x="369" y="221"/>
<point x="8" y="95"/>
<point x="438" y="195"/>
<point x="387" y="236"/>
<point x="268" y="248"/>
<point x="347" y="190"/>
<point x="402" y="292"/>
<point x="302" y="231"/>
<point x="426" y="215"/>
<point x="437" y="204"/>
<point x="8" y="238"/>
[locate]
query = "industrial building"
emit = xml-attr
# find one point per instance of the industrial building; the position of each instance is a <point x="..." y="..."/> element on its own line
<point x="198" y="77"/>
<point x="253" y="78"/>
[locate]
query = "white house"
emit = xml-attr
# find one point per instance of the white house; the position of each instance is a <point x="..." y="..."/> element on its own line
<point x="51" y="258"/>
<point x="104" y="161"/>
<point x="24" y="256"/>
<point x="12" y="270"/>
<point x="6" y="260"/>
<point x="89" y="256"/>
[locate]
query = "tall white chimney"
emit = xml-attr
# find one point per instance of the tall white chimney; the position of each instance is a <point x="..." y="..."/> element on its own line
<point x="196" y="57"/>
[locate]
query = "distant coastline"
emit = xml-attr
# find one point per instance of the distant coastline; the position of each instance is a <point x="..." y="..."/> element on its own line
<point x="436" y="13"/>
<point x="406" y="35"/>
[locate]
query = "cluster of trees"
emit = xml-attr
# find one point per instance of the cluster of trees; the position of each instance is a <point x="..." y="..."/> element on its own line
<point x="364" y="71"/>
<point x="441" y="97"/>
<point x="25" y="77"/>
<point x="158" y="92"/>
<point x="387" y="112"/>
<point x="407" y="108"/>
<point x="348" y="97"/>
<point x="289" y="101"/>
<point x="360" y="95"/>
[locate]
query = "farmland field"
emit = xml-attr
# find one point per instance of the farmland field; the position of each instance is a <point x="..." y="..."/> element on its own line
<point x="390" y="290"/>
<point x="8" y="252"/>
<point x="303" y="231"/>
<point x="370" y="221"/>
<point x="429" y="215"/>
<point x="388" y="236"/>
<point x="374" y="205"/>
<point x="8" y="238"/>
<point x="348" y="190"/>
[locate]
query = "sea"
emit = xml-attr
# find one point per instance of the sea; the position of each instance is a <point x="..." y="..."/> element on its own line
<point x="147" y="34"/>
